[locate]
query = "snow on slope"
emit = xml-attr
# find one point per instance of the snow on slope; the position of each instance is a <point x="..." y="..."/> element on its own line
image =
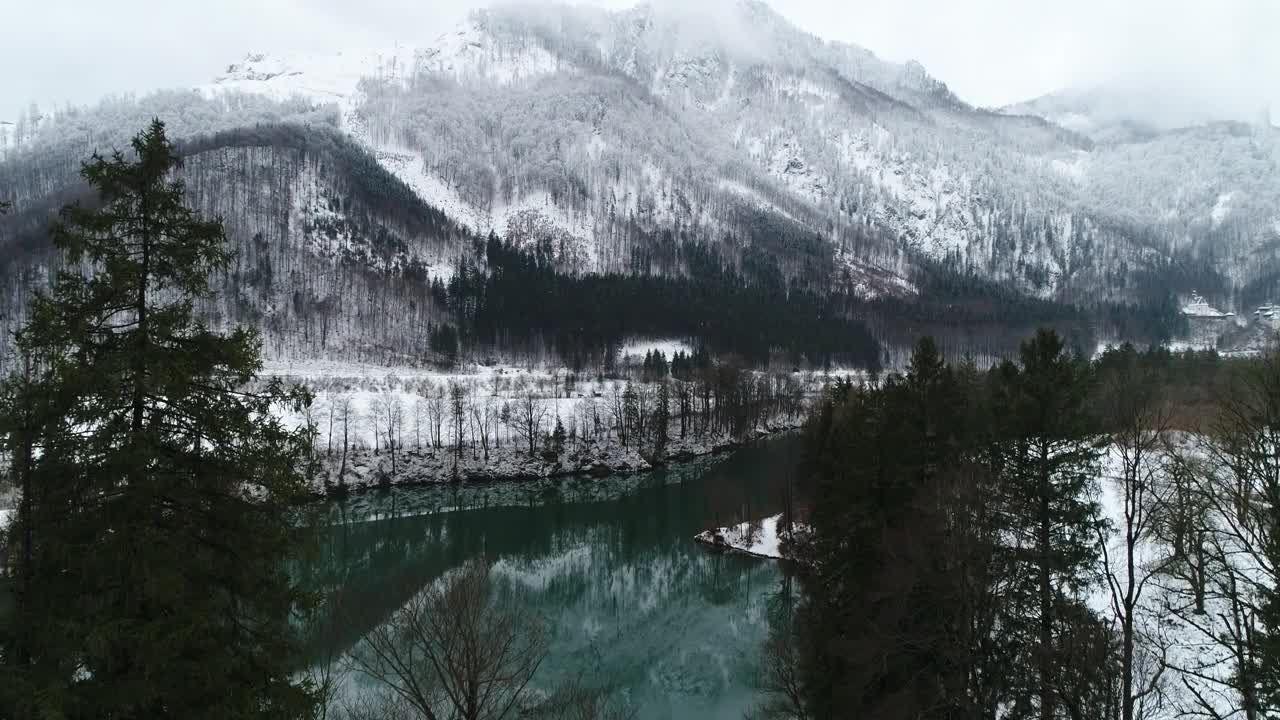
<point x="928" y="202"/>
<point x="467" y="54"/>
<point x="322" y="77"/>
<point x="825" y="135"/>
<point x="470" y="52"/>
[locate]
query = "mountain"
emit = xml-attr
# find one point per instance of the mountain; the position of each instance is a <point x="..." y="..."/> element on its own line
<point x="570" y="124"/>
<point x="613" y="142"/>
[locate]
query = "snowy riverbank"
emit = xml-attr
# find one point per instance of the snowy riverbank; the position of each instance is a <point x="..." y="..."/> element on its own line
<point x="763" y="538"/>
<point x="485" y="423"/>
<point x="366" y="469"/>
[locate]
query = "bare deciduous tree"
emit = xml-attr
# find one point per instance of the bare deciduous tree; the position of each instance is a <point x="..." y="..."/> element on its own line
<point x="454" y="651"/>
<point x="458" y="409"/>
<point x="435" y="415"/>
<point x="420" y="416"/>
<point x="1139" y="421"/>
<point x="484" y="417"/>
<point x="530" y="413"/>
<point x="345" y="417"/>
<point x="576" y="701"/>
<point x="377" y="411"/>
<point x="393" y="409"/>
<point x="781" y="678"/>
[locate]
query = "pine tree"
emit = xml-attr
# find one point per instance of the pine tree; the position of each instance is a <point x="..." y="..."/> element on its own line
<point x="558" y="438"/>
<point x="164" y="486"/>
<point x="631" y="415"/>
<point x="883" y="637"/>
<point x="661" y="420"/>
<point x="1052" y="468"/>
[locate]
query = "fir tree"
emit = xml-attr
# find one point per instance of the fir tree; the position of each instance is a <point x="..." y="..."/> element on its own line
<point x="1052" y="468"/>
<point x="660" y="367"/>
<point x="661" y="420"/>
<point x="558" y="437"/>
<point x="164" y="486"/>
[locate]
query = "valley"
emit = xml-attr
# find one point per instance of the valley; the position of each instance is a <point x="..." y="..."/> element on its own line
<point x="652" y="362"/>
<point x="622" y="143"/>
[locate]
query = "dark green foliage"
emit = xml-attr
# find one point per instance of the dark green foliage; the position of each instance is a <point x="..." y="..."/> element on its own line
<point x="1046" y="450"/>
<point x="444" y="342"/>
<point x="655" y="366"/>
<point x="878" y="628"/>
<point x="522" y="298"/>
<point x="661" y="420"/>
<point x="952" y="529"/>
<point x="161" y="486"/>
<point x="558" y="438"/>
<point x="968" y="313"/>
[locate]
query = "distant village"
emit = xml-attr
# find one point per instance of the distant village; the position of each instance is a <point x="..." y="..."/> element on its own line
<point x="1209" y="327"/>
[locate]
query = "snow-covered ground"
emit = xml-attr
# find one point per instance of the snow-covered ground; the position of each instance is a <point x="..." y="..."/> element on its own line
<point x="511" y="460"/>
<point x="499" y="405"/>
<point x="762" y="538"/>
<point x="1187" y="654"/>
<point x="636" y="349"/>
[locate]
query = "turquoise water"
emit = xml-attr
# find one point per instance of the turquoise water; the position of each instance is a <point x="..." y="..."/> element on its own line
<point x="633" y="604"/>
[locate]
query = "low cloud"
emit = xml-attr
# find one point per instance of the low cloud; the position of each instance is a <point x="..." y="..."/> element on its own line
<point x="1218" y="54"/>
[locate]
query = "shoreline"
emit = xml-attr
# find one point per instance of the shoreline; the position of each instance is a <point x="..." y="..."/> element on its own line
<point x="369" y="471"/>
<point x="761" y="538"/>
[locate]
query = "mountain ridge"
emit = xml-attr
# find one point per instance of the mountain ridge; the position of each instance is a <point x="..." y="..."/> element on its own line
<point x="607" y="139"/>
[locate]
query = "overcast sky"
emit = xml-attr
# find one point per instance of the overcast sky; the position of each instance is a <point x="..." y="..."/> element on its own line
<point x="991" y="52"/>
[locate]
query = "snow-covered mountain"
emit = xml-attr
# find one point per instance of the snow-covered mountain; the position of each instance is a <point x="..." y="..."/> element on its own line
<point x="606" y="135"/>
<point x="575" y="124"/>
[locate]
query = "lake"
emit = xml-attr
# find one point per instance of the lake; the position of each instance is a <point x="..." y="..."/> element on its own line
<point x="634" y="605"/>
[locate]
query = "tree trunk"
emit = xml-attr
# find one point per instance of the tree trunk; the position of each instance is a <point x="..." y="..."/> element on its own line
<point x="26" y="516"/>
<point x="1043" y="540"/>
<point x="140" y="308"/>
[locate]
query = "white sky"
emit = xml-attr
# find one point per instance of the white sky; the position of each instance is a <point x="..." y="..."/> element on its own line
<point x="991" y="52"/>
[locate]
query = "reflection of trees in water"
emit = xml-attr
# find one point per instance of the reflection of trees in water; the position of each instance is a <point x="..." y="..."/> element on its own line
<point x="628" y="596"/>
<point x="649" y="624"/>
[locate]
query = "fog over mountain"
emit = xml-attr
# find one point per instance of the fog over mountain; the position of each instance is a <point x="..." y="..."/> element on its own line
<point x="667" y="139"/>
<point x="992" y="52"/>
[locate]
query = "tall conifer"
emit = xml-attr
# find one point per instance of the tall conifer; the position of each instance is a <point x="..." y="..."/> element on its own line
<point x="162" y="482"/>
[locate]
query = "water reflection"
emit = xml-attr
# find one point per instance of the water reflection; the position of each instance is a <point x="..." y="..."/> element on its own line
<point x="632" y="602"/>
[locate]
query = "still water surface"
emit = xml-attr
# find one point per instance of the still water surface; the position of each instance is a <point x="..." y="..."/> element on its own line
<point x="633" y="604"/>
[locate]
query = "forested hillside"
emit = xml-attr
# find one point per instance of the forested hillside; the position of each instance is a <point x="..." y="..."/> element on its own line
<point x="640" y="151"/>
<point x="337" y="258"/>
